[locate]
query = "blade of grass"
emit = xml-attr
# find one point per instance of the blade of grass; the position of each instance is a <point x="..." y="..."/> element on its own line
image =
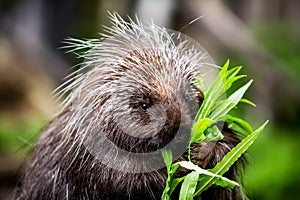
<point x="223" y="108"/>
<point x="192" y="166"/>
<point x="175" y="183"/>
<point x="213" y="93"/>
<point x="248" y="102"/>
<point x="171" y="169"/>
<point x="189" y="186"/>
<point x="167" y="156"/>
<point x="197" y="133"/>
<point x="238" y="125"/>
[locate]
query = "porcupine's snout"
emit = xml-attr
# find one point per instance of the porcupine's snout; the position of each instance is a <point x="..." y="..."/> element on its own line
<point x="156" y="118"/>
<point x="170" y="116"/>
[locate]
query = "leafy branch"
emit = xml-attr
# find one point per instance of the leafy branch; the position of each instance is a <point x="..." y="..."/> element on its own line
<point x="215" y="107"/>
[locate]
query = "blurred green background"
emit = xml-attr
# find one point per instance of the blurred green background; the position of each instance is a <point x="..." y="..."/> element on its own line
<point x="261" y="35"/>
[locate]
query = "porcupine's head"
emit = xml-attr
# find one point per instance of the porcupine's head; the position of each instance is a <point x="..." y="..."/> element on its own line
<point x="136" y="94"/>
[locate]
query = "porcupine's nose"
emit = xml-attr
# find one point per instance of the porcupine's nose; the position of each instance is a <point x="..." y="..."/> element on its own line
<point x="172" y="123"/>
<point x="173" y="113"/>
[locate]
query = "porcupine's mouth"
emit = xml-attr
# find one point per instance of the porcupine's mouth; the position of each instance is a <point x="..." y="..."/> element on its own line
<point x="158" y="141"/>
<point x="177" y="135"/>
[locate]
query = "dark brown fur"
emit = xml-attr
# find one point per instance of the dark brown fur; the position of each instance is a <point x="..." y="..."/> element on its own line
<point x="88" y="179"/>
<point x="62" y="167"/>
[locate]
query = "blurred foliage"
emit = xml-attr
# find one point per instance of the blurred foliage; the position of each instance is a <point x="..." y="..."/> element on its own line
<point x="274" y="170"/>
<point x="18" y="137"/>
<point x="273" y="173"/>
<point x="283" y="42"/>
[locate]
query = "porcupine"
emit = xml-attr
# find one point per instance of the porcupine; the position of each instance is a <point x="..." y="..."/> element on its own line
<point x="134" y="95"/>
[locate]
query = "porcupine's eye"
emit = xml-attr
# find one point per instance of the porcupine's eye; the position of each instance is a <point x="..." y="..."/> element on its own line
<point x="141" y="100"/>
<point x="140" y="104"/>
<point x="144" y="106"/>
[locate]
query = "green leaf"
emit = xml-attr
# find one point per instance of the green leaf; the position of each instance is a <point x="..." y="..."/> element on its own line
<point x="226" y="184"/>
<point x="165" y="195"/>
<point x="248" y="102"/>
<point x="218" y="89"/>
<point x="175" y="183"/>
<point x="197" y="133"/>
<point x="167" y="156"/>
<point x="213" y="93"/>
<point x="223" y="108"/>
<point x="191" y="166"/>
<point x="238" y="125"/>
<point x="231" y="77"/>
<point x="213" y="134"/>
<point x="233" y="71"/>
<point x="189" y="186"/>
<point x="214" y="108"/>
<point x="171" y="169"/>
<point x="229" y="159"/>
<point x="224" y="70"/>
